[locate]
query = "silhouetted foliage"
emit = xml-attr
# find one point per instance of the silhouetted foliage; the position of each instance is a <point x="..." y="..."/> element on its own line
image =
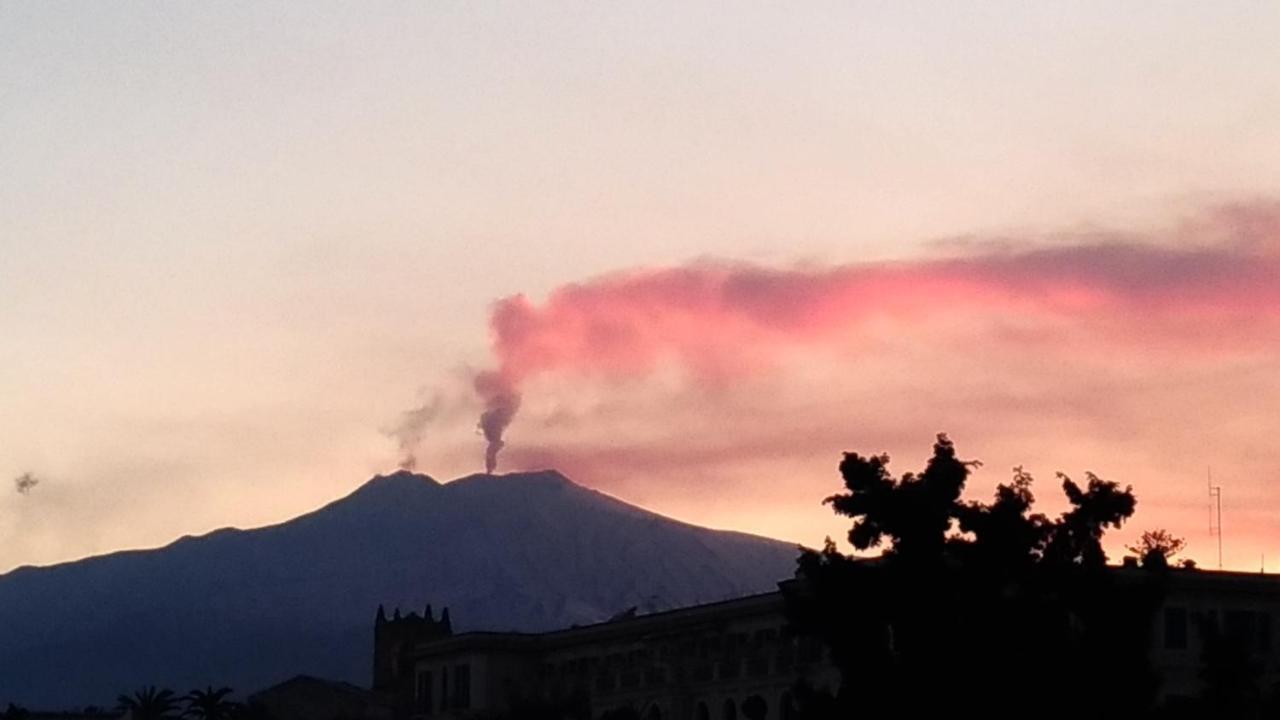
<point x="15" y="712"/>
<point x="1157" y="547"/>
<point x="209" y="704"/>
<point x="150" y="703"/>
<point x="974" y="608"/>
<point x="251" y="710"/>
<point x="808" y="703"/>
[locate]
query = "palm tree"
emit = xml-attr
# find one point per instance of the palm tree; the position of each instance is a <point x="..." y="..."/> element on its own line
<point x="209" y="704"/>
<point x="149" y="704"/>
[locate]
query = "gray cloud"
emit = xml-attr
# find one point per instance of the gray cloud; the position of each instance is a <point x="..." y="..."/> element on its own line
<point x="24" y="483"/>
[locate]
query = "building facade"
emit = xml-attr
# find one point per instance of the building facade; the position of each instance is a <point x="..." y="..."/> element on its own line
<point x="737" y="660"/>
<point x="721" y="661"/>
<point x="1236" y="609"/>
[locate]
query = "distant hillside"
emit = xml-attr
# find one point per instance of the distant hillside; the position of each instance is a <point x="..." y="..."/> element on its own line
<point x="251" y="607"/>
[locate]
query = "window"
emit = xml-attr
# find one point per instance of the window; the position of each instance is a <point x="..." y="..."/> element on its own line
<point x="710" y="647"/>
<point x="730" y="711"/>
<point x="811" y="650"/>
<point x="1250" y="630"/>
<point x="604" y="682"/>
<point x="1206" y="623"/>
<point x="422" y="692"/>
<point x="1175" y="628"/>
<point x="702" y="713"/>
<point x="1238" y="625"/>
<point x="461" y="687"/>
<point x="444" y="688"/>
<point x="785" y="658"/>
<point x="1264" y="632"/>
<point x="755" y="708"/>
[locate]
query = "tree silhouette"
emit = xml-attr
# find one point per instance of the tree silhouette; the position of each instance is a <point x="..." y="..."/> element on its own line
<point x="914" y="512"/>
<point x="1157" y="547"/>
<point x="209" y="704"/>
<point x="974" y="607"/>
<point x="15" y="712"/>
<point x="149" y="704"/>
<point x="252" y="710"/>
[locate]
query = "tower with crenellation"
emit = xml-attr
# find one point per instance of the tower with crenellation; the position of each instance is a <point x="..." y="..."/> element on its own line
<point x="393" y="641"/>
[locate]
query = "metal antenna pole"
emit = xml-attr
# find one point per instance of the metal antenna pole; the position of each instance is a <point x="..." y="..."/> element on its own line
<point x="1215" y="514"/>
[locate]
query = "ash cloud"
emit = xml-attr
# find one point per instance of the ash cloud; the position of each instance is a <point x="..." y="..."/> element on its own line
<point x="1217" y="273"/>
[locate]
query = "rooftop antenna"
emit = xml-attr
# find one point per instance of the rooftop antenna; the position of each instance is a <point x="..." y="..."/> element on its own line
<point x="1215" y="514"/>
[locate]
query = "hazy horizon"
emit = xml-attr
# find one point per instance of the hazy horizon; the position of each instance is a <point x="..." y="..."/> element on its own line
<point x="254" y="254"/>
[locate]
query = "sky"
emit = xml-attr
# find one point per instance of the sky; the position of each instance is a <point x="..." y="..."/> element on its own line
<point x="252" y="254"/>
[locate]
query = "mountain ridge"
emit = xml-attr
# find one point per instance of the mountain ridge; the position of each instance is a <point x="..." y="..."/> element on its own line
<point x="521" y="551"/>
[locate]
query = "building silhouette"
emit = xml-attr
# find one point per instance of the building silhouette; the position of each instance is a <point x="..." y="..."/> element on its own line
<point x="702" y="662"/>
<point x="737" y="659"/>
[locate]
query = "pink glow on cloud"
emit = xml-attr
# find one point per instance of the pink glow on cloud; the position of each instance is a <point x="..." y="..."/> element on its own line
<point x="1140" y="357"/>
<point x="718" y="320"/>
<point x="721" y="317"/>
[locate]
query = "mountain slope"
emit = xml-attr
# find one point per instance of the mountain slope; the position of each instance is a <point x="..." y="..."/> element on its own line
<point x="250" y="607"/>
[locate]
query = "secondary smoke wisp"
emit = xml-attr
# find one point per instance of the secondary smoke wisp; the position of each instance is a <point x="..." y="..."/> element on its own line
<point x="412" y="428"/>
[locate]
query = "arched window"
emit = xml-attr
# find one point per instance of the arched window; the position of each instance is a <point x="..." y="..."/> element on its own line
<point x="785" y="709"/>
<point x="755" y="708"/>
<point x="701" y="712"/>
<point x="653" y="714"/>
<point x="730" y="711"/>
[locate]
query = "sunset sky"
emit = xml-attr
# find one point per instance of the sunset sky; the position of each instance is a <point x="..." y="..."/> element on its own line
<point x="252" y="255"/>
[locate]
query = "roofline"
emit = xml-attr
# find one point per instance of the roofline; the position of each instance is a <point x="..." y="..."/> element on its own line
<point x="625" y="626"/>
<point x="671" y="620"/>
<point x="1195" y="576"/>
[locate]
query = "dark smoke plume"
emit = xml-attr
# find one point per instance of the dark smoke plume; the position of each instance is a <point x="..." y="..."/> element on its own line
<point x="24" y="482"/>
<point x="501" y="400"/>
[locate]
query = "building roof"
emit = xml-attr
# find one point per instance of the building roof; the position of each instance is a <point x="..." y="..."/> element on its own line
<point x="674" y="621"/>
<point x="311" y="682"/>
<point x="664" y="622"/>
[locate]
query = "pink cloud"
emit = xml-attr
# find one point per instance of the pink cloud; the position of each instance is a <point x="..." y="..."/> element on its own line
<point x="721" y="317"/>
<point x="1126" y="354"/>
<point x="1214" y="291"/>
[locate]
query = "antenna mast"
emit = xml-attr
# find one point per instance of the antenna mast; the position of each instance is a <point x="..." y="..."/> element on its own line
<point x="1215" y="514"/>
